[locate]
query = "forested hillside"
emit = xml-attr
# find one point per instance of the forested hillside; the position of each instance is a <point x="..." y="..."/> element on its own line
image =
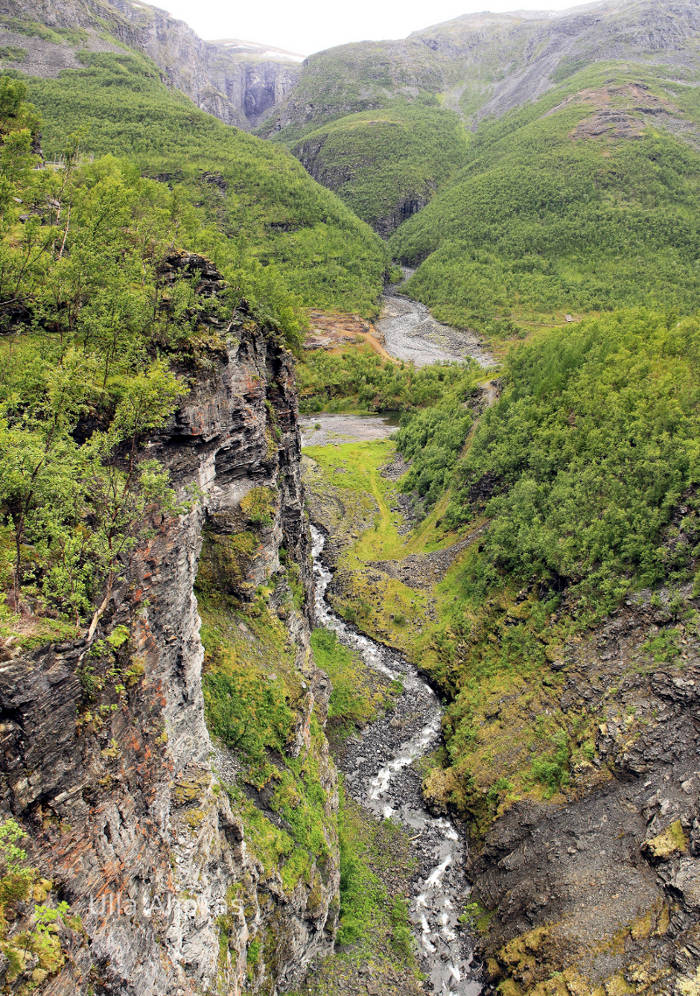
<point x="480" y="67"/>
<point x="386" y="164"/>
<point x="582" y="202"/>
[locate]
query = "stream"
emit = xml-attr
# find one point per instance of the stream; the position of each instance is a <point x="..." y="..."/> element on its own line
<point x="380" y="774"/>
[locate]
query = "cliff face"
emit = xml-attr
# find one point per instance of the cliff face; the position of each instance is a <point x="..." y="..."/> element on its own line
<point x="106" y="760"/>
<point x="238" y="84"/>
<point x="603" y="889"/>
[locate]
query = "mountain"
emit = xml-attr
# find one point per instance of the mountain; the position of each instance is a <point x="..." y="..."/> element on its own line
<point x="483" y="65"/>
<point x="584" y="201"/>
<point x="252" y="200"/>
<point x="479" y="67"/>
<point x="236" y="81"/>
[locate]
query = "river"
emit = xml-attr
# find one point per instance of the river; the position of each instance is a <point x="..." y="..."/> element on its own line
<point x="381" y="775"/>
<point x="409" y="332"/>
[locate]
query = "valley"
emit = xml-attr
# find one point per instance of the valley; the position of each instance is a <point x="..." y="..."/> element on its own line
<point x="350" y="507"/>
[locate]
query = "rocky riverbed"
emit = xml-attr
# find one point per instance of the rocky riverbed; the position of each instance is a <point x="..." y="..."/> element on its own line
<point x="409" y="332"/>
<point x="381" y="774"/>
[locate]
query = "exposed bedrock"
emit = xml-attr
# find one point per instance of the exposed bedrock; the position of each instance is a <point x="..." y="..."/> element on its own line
<point x="105" y="758"/>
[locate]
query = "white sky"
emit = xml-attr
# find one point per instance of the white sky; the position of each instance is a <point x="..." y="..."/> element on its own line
<point x="307" y="26"/>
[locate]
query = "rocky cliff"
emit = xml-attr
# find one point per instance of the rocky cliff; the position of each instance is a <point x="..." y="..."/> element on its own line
<point x="106" y="760"/>
<point x="601" y="892"/>
<point x="241" y="84"/>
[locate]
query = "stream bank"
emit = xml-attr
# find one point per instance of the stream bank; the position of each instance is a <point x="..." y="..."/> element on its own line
<point x="383" y="764"/>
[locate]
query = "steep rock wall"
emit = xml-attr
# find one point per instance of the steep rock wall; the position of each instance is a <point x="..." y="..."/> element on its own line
<point x="105" y="757"/>
<point x="239" y="88"/>
<point x="600" y="892"/>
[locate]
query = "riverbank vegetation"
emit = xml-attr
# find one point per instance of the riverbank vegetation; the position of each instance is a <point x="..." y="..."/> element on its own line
<point x="358" y="697"/>
<point x="376" y="864"/>
<point x="573" y="492"/>
<point x="359" y="380"/>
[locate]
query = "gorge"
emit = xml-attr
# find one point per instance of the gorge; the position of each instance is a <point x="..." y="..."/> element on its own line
<point x="349" y="507"/>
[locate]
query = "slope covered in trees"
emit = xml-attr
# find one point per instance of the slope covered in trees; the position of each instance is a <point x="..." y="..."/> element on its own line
<point x="479" y="67"/>
<point x="248" y="205"/>
<point x="386" y="164"/>
<point x="87" y="330"/>
<point x="582" y="202"/>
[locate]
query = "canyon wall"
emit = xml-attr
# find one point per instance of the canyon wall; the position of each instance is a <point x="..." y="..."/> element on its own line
<point x="238" y="83"/>
<point x="106" y="761"/>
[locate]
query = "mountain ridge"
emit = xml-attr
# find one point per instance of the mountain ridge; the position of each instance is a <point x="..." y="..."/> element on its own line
<point x="239" y="88"/>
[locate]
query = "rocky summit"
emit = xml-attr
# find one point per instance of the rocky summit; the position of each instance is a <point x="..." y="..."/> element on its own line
<point x="349" y="507"/>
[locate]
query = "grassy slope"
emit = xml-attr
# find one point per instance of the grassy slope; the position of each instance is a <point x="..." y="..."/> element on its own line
<point x="264" y="209"/>
<point x="377" y="160"/>
<point x="544" y="221"/>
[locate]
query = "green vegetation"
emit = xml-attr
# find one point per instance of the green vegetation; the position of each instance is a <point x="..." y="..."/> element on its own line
<point x="30" y="915"/>
<point x="248" y="205"/>
<point x="552" y="216"/>
<point x="11" y="53"/>
<point x="433" y="438"/>
<point x="255" y="700"/>
<point x="569" y="488"/>
<point x="85" y="369"/>
<point x="360" y="380"/>
<point x="383" y="163"/>
<point x="587" y="455"/>
<point x="358" y="696"/>
<point x="347" y="481"/>
<point x="354" y="78"/>
<point x="375" y="867"/>
<point x="33" y="29"/>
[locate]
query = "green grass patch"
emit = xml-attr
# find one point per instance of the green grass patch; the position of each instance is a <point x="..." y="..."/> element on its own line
<point x="358" y="696"/>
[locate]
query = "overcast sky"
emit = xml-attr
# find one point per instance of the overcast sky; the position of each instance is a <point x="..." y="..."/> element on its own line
<point x="307" y="26"/>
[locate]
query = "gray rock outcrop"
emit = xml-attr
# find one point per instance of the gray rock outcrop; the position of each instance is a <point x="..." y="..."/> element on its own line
<point x="105" y="757"/>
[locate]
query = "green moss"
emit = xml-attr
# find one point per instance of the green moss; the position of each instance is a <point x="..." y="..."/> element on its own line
<point x="255" y="704"/>
<point x="356" y="697"/>
<point x="670" y="842"/>
<point x="29" y="916"/>
<point x="226" y="561"/>
<point x="259" y="506"/>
